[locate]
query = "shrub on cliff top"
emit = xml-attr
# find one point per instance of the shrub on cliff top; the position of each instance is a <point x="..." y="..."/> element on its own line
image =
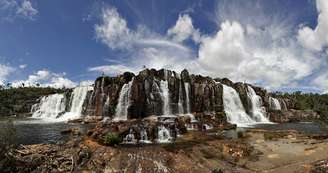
<point x="111" y="139"/>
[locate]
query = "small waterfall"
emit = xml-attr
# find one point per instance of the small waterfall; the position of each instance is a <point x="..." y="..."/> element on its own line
<point x="77" y="100"/>
<point x="129" y="139"/>
<point x="164" y="135"/>
<point x="258" y="111"/>
<point x="233" y="107"/>
<point x="50" y="107"/>
<point x="165" y="97"/>
<point x="106" y="107"/>
<point x="274" y="104"/>
<point x="123" y="102"/>
<point x="284" y="105"/>
<point x="144" y="136"/>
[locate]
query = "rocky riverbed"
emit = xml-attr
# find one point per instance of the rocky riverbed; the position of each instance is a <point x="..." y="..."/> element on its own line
<point x="253" y="150"/>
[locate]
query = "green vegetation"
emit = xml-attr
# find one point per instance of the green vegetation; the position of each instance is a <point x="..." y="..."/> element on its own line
<point x="16" y="101"/>
<point x="268" y="136"/>
<point x="7" y="145"/>
<point x="309" y="101"/>
<point x="111" y="139"/>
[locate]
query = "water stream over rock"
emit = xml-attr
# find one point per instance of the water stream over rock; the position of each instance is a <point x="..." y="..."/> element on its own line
<point x="50" y="107"/>
<point x="258" y="110"/>
<point x="233" y="107"/>
<point x="123" y="103"/>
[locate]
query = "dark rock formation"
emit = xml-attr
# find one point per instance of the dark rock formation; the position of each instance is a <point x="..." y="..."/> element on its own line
<point x="106" y="89"/>
<point x="146" y="97"/>
<point x="292" y="115"/>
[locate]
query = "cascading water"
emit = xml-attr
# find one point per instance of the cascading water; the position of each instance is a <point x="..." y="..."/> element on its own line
<point x="53" y="107"/>
<point x="106" y="106"/>
<point x="187" y="88"/>
<point x="284" y="105"/>
<point x="144" y="136"/>
<point x="233" y="107"/>
<point x="258" y="111"/>
<point x="129" y="139"/>
<point x="165" y="97"/>
<point x="123" y="103"/>
<point x="274" y="104"/>
<point x="77" y="99"/>
<point x="164" y="135"/>
<point x="50" y="107"/>
<point x="180" y="102"/>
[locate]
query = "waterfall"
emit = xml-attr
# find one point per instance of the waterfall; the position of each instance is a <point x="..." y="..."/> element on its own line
<point x="129" y="139"/>
<point x="77" y="100"/>
<point x="144" y="136"/>
<point x="233" y="107"/>
<point x="258" y="111"/>
<point x="274" y="104"/>
<point x="78" y="97"/>
<point x="187" y="88"/>
<point x="164" y="135"/>
<point x="53" y="107"/>
<point x="180" y="102"/>
<point x="106" y="106"/>
<point x="123" y="102"/>
<point x="284" y="105"/>
<point x="165" y="97"/>
<point x="50" y="107"/>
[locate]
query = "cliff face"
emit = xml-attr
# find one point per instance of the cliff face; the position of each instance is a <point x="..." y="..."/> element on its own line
<point x="186" y="94"/>
<point x="102" y="100"/>
<point x="157" y="92"/>
<point x="165" y="92"/>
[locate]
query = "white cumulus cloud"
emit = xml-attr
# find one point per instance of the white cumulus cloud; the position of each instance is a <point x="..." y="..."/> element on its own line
<point x="316" y="39"/>
<point x="184" y="29"/>
<point x="45" y="78"/>
<point x="261" y="49"/>
<point x="322" y="81"/>
<point x="5" y="70"/>
<point x="11" y="9"/>
<point x="113" y="31"/>
<point x="27" y="10"/>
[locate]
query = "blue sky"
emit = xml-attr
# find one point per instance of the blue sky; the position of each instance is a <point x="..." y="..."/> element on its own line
<point x="281" y="44"/>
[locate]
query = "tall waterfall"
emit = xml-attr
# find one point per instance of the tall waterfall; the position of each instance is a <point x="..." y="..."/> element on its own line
<point x="77" y="99"/>
<point x="164" y="85"/>
<point x="123" y="102"/>
<point x="50" y="107"/>
<point x="180" y="102"/>
<point x="187" y="88"/>
<point x="274" y="104"/>
<point x="53" y="107"/>
<point x="233" y="107"/>
<point x="258" y="111"/>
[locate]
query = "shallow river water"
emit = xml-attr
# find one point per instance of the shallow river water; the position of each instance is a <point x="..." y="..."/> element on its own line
<point x="31" y="131"/>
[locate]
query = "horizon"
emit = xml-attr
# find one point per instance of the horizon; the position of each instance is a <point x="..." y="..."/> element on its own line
<point x="280" y="45"/>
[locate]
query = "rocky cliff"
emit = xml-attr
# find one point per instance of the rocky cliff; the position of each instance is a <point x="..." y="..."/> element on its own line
<point x="186" y="93"/>
<point x="165" y="92"/>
